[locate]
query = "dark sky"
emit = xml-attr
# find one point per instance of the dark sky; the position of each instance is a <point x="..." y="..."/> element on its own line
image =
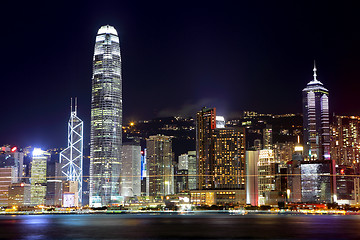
<point x="177" y="56"/>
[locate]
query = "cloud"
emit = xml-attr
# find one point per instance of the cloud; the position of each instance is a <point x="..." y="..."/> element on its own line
<point x="190" y="109"/>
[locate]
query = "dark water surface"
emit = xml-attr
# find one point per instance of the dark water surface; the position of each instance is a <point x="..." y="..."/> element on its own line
<point x="209" y="226"/>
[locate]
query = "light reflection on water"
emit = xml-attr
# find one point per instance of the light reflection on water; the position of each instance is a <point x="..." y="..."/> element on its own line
<point x="209" y="226"/>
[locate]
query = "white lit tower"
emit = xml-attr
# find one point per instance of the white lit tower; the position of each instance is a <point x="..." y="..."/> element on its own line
<point x="106" y="120"/>
<point x="316" y="120"/>
<point x="71" y="158"/>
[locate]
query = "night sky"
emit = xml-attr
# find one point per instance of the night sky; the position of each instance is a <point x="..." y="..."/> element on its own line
<point x="177" y="56"/>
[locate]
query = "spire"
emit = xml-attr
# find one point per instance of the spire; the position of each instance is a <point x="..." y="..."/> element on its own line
<point x="71" y="106"/>
<point x="75" y="105"/>
<point x="315" y="71"/>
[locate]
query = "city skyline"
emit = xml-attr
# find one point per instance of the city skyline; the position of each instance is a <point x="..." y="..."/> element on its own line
<point x="220" y="53"/>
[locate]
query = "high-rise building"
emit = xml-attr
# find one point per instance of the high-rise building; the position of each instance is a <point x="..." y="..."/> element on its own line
<point x="316" y="182"/>
<point x="106" y="119"/>
<point x="70" y="194"/>
<point x="8" y="175"/>
<point x="220" y="153"/>
<point x="192" y="170"/>
<point x="130" y="184"/>
<point x="345" y="184"/>
<point x="229" y="164"/>
<point x="252" y="158"/>
<point x="345" y="140"/>
<point x="11" y="156"/>
<point x="38" y="176"/>
<point x="54" y="182"/>
<point x="266" y="174"/>
<point x="71" y="157"/>
<point x="294" y="174"/>
<point x="160" y="170"/>
<point x="316" y="120"/>
<point x="205" y="125"/>
<point x="19" y="194"/>
<point x="182" y="180"/>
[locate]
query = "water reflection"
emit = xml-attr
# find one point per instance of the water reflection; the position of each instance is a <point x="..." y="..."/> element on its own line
<point x="210" y="226"/>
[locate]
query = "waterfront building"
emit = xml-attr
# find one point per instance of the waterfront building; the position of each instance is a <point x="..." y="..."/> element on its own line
<point x="71" y="157"/>
<point x="345" y="184"/>
<point x="192" y="170"/>
<point x="19" y="194"/>
<point x="293" y="190"/>
<point x="317" y="144"/>
<point x="220" y="153"/>
<point x="205" y="125"/>
<point x="252" y="158"/>
<point x="316" y="182"/>
<point x="130" y="184"/>
<point x="106" y="119"/>
<point x="54" y="181"/>
<point x="70" y="194"/>
<point x="229" y="164"/>
<point x="8" y="175"/>
<point x="267" y="170"/>
<point x="182" y="180"/>
<point x="160" y="170"/>
<point x="357" y="190"/>
<point x="38" y="176"/>
<point x="345" y="141"/>
<point x="316" y="120"/>
<point x="218" y="197"/>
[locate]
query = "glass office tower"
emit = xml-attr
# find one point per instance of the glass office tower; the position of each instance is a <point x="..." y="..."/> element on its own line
<point x="106" y="119"/>
<point x="316" y="120"/>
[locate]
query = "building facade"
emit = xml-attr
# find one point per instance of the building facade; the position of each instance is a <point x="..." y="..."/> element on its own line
<point x="345" y="141"/>
<point x="229" y="163"/>
<point x="71" y="157"/>
<point x="38" y="176"/>
<point x="266" y="174"/>
<point x="205" y="125"/>
<point x="316" y="120"/>
<point x="106" y="119"/>
<point x="192" y="178"/>
<point x="130" y="184"/>
<point x="160" y="170"/>
<point x="19" y="194"/>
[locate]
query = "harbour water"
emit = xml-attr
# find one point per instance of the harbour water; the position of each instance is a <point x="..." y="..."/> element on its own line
<point x="175" y="226"/>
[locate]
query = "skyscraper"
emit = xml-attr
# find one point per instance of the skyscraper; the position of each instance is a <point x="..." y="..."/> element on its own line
<point x="130" y="170"/>
<point x="318" y="179"/>
<point x="72" y="156"/>
<point x="205" y="126"/>
<point x="106" y="119"/>
<point x="316" y="120"/>
<point x="160" y="171"/>
<point x="38" y="176"/>
<point x="220" y="153"/>
<point x="229" y="158"/>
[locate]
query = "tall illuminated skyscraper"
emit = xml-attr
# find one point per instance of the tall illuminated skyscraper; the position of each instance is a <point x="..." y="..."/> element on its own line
<point x="106" y="119"/>
<point x="205" y="126"/>
<point x="72" y="156"/>
<point x="316" y="120"/>
<point x="160" y="171"/>
<point x="38" y="176"/>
